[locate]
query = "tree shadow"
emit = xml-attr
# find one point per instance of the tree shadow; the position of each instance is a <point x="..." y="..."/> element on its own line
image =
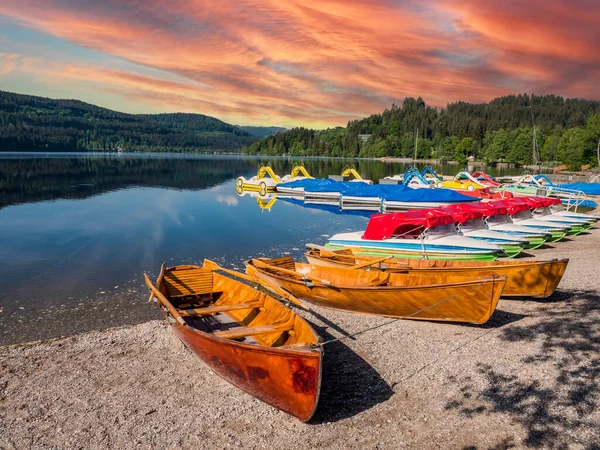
<point x="349" y="385"/>
<point x="556" y="409"/>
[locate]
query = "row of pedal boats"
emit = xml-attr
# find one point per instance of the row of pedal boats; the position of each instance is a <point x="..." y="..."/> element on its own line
<point x="483" y="230"/>
<point x="502" y="227"/>
<point x="250" y="327"/>
<point x="410" y="190"/>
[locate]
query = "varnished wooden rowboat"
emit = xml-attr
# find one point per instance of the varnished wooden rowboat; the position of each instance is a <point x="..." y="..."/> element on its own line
<point x="525" y="278"/>
<point x="244" y="334"/>
<point x="414" y="296"/>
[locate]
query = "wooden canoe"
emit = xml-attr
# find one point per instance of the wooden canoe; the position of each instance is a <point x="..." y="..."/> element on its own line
<point x="415" y="296"/>
<point x="244" y="334"/>
<point x="524" y="278"/>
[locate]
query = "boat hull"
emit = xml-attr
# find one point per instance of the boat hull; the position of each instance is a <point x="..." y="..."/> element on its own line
<point x="533" y="240"/>
<point x="524" y="279"/>
<point x="244" y="334"/>
<point x="577" y="229"/>
<point x="391" y="205"/>
<point x="349" y="202"/>
<point x="511" y="247"/>
<point x="285" y="379"/>
<point x="443" y="246"/>
<point x="418" y="255"/>
<point x="511" y="251"/>
<point x="322" y="198"/>
<point x="557" y="232"/>
<point x="472" y="301"/>
<point x="255" y="184"/>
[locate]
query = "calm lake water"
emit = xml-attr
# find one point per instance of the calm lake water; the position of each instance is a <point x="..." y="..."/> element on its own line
<point x="77" y="231"/>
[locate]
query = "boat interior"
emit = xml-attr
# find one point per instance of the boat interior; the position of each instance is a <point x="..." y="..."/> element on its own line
<point x="227" y="308"/>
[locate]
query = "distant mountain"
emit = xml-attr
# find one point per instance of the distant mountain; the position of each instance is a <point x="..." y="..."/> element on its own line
<point x="262" y="132"/>
<point x="29" y="123"/>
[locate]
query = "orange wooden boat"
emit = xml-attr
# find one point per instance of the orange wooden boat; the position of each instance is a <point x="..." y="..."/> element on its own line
<point x="244" y="334"/>
<point x="525" y="278"/>
<point x="414" y="296"/>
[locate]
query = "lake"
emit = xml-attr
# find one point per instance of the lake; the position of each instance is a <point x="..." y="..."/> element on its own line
<point x="77" y="231"/>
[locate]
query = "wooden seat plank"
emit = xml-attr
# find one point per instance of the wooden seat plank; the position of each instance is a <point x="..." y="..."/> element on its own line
<point x="192" y="281"/>
<point x="239" y="332"/>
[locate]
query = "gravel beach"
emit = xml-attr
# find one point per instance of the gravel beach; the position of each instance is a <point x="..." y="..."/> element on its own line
<point x="528" y="378"/>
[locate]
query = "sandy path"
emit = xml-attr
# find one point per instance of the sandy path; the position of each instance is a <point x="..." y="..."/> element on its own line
<point x="530" y="377"/>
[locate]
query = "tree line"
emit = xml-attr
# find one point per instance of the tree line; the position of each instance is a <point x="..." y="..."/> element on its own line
<point x="566" y="131"/>
<point x="30" y="123"/>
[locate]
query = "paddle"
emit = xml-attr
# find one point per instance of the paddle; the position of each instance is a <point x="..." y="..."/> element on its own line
<point x="163" y="269"/>
<point x="262" y="265"/>
<point x="162" y="299"/>
<point x="370" y="263"/>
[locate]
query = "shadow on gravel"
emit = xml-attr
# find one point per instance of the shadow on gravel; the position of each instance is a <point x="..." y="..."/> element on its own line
<point x="547" y="245"/>
<point x="499" y="319"/>
<point x="558" y="410"/>
<point x="349" y="385"/>
<point x="524" y="254"/>
<point x="556" y="297"/>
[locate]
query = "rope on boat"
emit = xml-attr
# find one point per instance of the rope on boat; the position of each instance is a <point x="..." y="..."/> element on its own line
<point x="321" y="344"/>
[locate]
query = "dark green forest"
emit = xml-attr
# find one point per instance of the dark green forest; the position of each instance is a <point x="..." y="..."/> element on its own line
<point x="37" y="179"/>
<point x="29" y="123"/>
<point x="567" y="131"/>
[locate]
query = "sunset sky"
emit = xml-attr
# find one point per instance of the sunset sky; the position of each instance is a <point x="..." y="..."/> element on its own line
<point x="291" y="63"/>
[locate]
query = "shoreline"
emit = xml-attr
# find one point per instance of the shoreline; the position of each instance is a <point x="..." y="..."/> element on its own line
<point x="526" y="378"/>
<point x="558" y="170"/>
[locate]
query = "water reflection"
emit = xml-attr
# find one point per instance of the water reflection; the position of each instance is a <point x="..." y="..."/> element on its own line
<point x="78" y="231"/>
<point x="266" y="202"/>
<point x="31" y="178"/>
<point x="27" y="178"/>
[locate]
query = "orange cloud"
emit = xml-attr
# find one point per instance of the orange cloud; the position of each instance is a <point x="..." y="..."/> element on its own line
<point x="546" y="46"/>
<point x="321" y="63"/>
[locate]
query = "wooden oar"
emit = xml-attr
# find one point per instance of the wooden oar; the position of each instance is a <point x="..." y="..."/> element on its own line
<point x="262" y="265"/>
<point x="370" y="263"/>
<point x="162" y="299"/>
<point x="163" y="269"/>
<point x="208" y="264"/>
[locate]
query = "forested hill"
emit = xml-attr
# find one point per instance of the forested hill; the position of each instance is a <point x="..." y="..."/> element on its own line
<point x="567" y="131"/>
<point x="261" y="131"/>
<point x="29" y="123"/>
